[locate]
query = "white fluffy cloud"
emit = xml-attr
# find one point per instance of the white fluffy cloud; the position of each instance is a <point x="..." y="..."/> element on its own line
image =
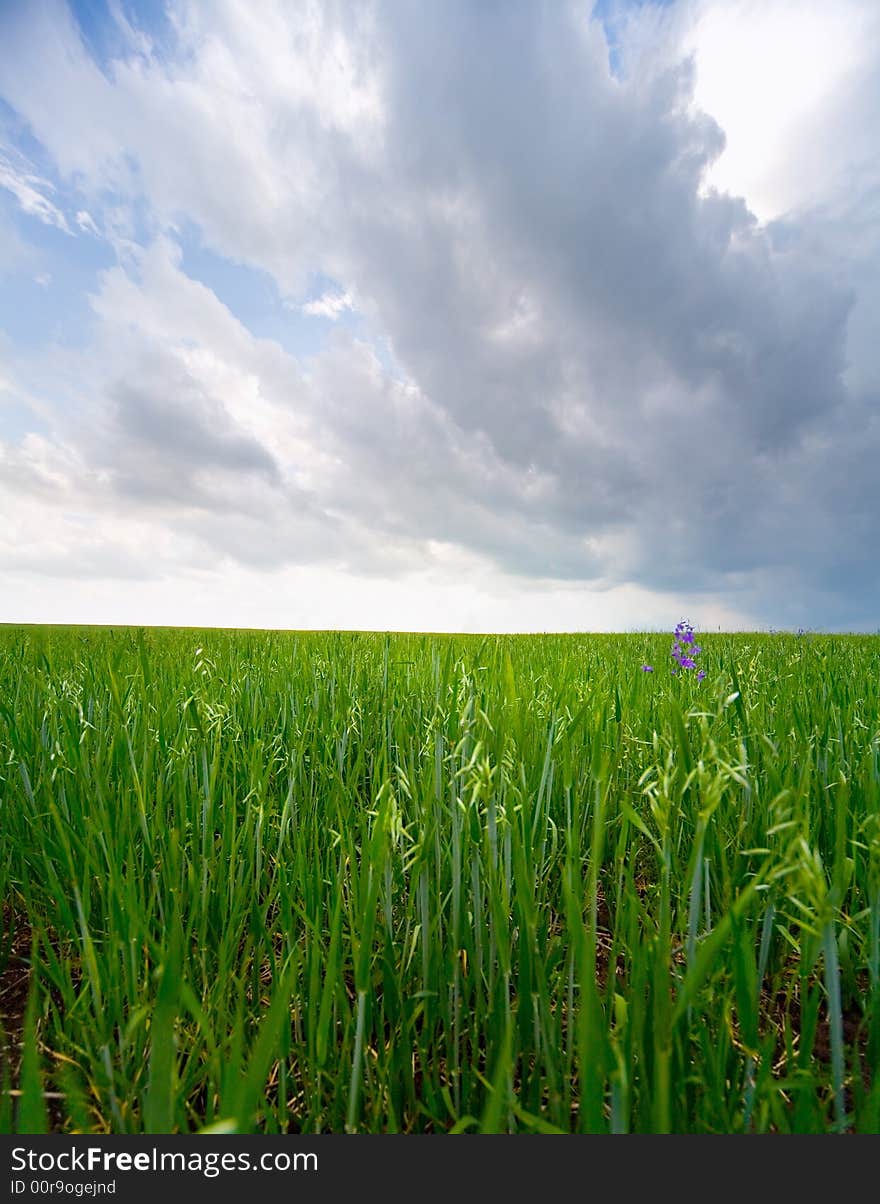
<point x="795" y="89"/>
<point x="329" y="305"/>
<point x="30" y="191"/>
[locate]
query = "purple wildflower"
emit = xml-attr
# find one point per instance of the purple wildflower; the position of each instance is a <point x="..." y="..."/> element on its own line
<point x="684" y="648"/>
<point x="647" y="668"/>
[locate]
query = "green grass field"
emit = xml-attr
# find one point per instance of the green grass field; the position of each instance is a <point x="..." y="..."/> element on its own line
<point x="325" y="882"/>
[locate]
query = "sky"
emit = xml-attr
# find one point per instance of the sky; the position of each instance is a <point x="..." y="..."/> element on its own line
<point x="463" y="316"/>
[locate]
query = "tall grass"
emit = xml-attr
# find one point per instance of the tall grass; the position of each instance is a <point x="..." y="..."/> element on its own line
<point x="356" y="882"/>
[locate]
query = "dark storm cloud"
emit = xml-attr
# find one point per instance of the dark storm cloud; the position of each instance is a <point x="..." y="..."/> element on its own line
<point x="674" y="375"/>
<point x="168" y="434"/>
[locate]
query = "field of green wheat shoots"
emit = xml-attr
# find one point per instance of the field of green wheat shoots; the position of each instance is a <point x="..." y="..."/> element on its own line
<point x="328" y="882"/>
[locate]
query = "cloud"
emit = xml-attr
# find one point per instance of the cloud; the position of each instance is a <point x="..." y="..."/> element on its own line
<point x="30" y="192"/>
<point x="85" y="222"/>
<point x="810" y="102"/>
<point x="601" y="367"/>
<point x="330" y="305"/>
